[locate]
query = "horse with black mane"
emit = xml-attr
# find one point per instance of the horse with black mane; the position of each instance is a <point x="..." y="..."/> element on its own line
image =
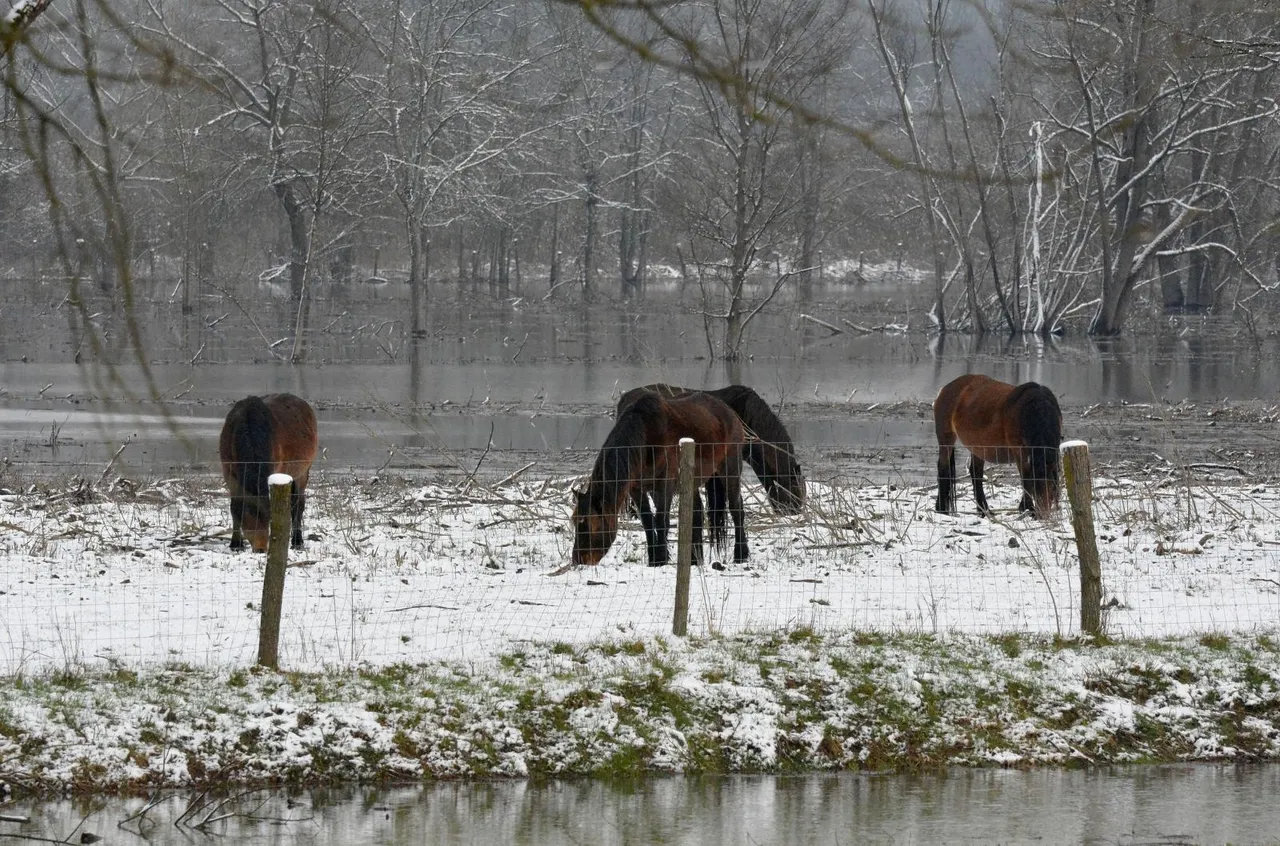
<point x="263" y="435"/>
<point x="641" y="457"/>
<point x="770" y="453"/>
<point x="1003" y="424"/>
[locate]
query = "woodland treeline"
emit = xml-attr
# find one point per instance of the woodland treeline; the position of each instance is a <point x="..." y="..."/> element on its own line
<point x="1046" y="161"/>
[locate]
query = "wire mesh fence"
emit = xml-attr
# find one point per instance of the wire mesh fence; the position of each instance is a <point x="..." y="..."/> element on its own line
<point x="117" y="570"/>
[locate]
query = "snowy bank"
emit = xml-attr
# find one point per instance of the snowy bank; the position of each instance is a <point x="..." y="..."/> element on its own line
<point x="772" y="702"/>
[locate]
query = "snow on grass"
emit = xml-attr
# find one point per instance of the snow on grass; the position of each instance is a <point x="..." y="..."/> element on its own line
<point x="782" y="701"/>
<point x="423" y="638"/>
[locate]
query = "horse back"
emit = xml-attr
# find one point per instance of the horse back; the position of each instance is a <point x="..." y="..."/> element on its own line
<point x="972" y="409"/>
<point x="295" y="440"/>
<point x="268" y="434"/>
<point x="713" y="425"/>
<point x="659" y="389"/>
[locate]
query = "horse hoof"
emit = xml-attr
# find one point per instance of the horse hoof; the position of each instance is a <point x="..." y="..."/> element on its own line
<point x="718" y="566"/>
<point x="659" y="563"/>
<point x="237" y="545"/>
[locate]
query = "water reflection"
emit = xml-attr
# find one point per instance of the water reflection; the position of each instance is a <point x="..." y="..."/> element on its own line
<point x="548" y="381"/>
<point x="1138" y="805"/>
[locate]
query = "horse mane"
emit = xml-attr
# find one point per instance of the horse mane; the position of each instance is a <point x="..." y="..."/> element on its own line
<point x="612" y="470"/>
<point x="756" y="415"/>
<point x="1040" y="424"/>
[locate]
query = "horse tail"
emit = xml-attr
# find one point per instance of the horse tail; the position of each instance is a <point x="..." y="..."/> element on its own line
<point x="944" y="405"/>
<point x="1040" y="422"/>
<point x="717" y="512"/>
<point x="252" y="439"/>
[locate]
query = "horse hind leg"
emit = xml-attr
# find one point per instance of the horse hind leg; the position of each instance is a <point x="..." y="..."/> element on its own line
<point x="1027" y="470"/>
<point x="1026" y="503"/>
<point x="946" y="503"/>
<point x="717" y="512"/>
<point x="297" y="504"/>
<point x="976" y="468"/>
<point x="237" y="517"/>
<point x="740" y="549"/>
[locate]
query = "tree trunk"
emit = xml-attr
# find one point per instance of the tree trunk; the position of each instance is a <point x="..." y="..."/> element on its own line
<point x="553" y="278"/>
<point x="297" y="238"/>
<point x="1119" y="276"/>
<point x="416" y="262"/>
<point x="590" y="183"/>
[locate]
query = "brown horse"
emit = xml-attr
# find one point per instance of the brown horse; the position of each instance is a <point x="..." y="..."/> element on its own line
<point x="264" y="435"/>
<point x="1003" y="424"/>
<point x="771" y="454"/>
<point x="640" y="457"/>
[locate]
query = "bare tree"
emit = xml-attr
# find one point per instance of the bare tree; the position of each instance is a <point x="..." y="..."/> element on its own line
<point x="738" y="180"/>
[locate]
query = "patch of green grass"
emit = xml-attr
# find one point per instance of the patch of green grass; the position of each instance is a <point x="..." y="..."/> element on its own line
<point x="804" y="634"/>
<point x="582" y="698"/>
<point x="1215" y="641"/>
<point x="122" y="677"/>
<point x="628" y="647"/>
<point x="626" y="763"/>
<point x="652" y="696"/>
<point x="149" y="734"/>
<point x="1255" y="678"/>
<point x="1135" y="682"/>
<point x="1010" y="644"/>
<point x="69" y="679"/>
<point x="512" y="661"/>
<point x="866" y="638"/>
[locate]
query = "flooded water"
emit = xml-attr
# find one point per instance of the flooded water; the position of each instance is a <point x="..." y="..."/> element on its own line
<point x="1186" y="804"/>
<point x="517" y="378"/>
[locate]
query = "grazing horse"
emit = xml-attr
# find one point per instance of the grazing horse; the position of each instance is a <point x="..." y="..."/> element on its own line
<point x="275" y="433"/>
<point x="641" y="457"/>
<point x="770" y="453"/>
<point x="1003" y="424"/>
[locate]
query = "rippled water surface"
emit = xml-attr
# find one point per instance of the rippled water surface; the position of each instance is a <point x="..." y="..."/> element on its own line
<point x="1191" y="804"/>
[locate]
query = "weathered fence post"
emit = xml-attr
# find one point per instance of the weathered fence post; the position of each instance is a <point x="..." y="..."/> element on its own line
<point x="1079" y="479"/>
<point x="281" y="486"/>
<point x="684" y="538"/>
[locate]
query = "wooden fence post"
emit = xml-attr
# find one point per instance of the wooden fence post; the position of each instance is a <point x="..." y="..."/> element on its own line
<point x="281" y="486"/>
<point x="1079" y="479"/>
<point x="684" y="538"/>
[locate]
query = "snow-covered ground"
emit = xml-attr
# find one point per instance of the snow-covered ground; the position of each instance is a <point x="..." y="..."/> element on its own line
<point x="134" y="575"/>
<point x="424" y="638"/>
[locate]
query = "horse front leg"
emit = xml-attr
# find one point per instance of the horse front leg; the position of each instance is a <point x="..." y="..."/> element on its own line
<point x="976" y="467"/>
<point x="946" y="503"/>
<point x="697" y="528"/>
<point x="658" y="527"/>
